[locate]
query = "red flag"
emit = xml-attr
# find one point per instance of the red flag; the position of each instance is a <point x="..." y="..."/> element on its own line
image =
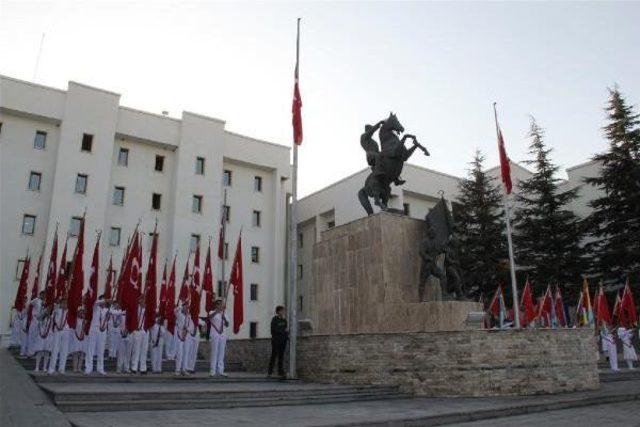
<point x="559" y="306"/>
<point x="505" y="168"/>
<point x="130" y="284"/>
<point x="162" y="306"/>
<point x="50" y="284"/>
<point x="108" y="285"/>
<point x="184" y="288"/>
<point x="602" y="314"/>
<point x="92" y="292"/>
<point x="77" y="279"/>
<point x="195" y="288"/>
<point x="615" y="314"/>
<point x="221" y="237"/>
<point x="207" y="281"/>
<point x="21" y="292"/>
<point x="527" y="306"/>
<point x="170" y="313"/>
<point x="120" y="278"/>
<point x="628" y="313"/>
<point x="296" y="108"/>
<point x="61" y="284"/>
<point x="546" y="307"/>
<point x="150" y="285"/>
<point x="35" y="290"/>
<point x="237" y="283"/>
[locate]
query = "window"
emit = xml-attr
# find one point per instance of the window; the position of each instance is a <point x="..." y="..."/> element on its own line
<point x="226" y="251"/>
<point x="28" y="224"/>
<point x="300" y="240"/>
<point x="0" y="128"/>
<point x="87" y="142"/>
<point x="253" y="329"/>
<point x="331" y="224"/>
<point x="81" y="184"/>
<point x="406" y="208"/>
<point x="195" y="242"/>
<point x="199" y="165"/>
<point x="74" y="226"/>
<point x="196" y="204"/>
<point x="255" y="254"/>
<point x="227" y="212"/>
<point x="19" y="267"/>
<point x="118" y="196"/>
<point x="226" y="178"/>
<point x="220" y="293"/>
<point x="114" y="236"/>
<point x="34" y="181"/>
<point x="156" y="200"/>
<point x="300" y="271"/>
<point x="300" y="301"/>
<point x="123" y="157"/>
<point x="254" y="292"/>
<point x="159" y="163"/>
<point x="40" y="140"/>
<point x="257" y="183"/>
<point x="256" y="219"/>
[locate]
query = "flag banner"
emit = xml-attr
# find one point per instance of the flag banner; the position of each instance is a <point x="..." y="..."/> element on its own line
<point x="602" y="313"/>
<point x="21" y="292"/>
<point x="170" y="313"/>
<point x="628" y="313"/>
<point x="150" y="292"/>
<point x="236" y="281"/>
<point x="528" y="308"/>
<point x="183" y="298"/>
<point x="50" y="283"/>
<point x="296" y="108"/>
<point x="92" y="292"/>
<point x="505" y="167"/>
<point x="77" y="279"/>
<point x="61" y="280"/>
<point x="35" y="290"/>
<point x="194" y="306"/>
<point x="162" y="306"/>
<point x="131" y="285"/>
<point x="108" y="284"/>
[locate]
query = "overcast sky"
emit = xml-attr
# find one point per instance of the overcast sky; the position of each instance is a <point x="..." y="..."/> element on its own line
<point x="439" y="66"/>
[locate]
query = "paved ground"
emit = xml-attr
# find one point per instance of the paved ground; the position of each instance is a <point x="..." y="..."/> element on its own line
<point x="625" y="414"/>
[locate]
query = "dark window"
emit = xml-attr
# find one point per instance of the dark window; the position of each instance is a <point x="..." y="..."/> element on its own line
<point x="255" y="254"/>
<point x="405" y="208"/>
<point x="0" y="128"/>
<point x="256" y="219"/>
<point x="196" y="204"/>
<point x="81" y="183"/>
<point x="300" y="240"/>
<point x="118" y="196"/>
<point x="74" y="226"/>
<point x="19" y="267"/>
<point x="226" y="178"/>
<point x="221" y="288"/>
<point x="34" y="181"/>
<point x="123" y="157"/>
<point x="67" y="271"/>
<point x="300" y="301"/>
<point x="114" y="236"/>
<point x="195" y="242"/>
<point x="28" y="224"/>
<point x="87" y="142"/>
<point x="156" y="200"/>
<point x="159" y="163"/>
<point x="253" y="329"/>
<point x="40" y="140"/>
<point x="257" y="183"/>
<point x="300" y="271"/>
<point x="199" y="165"/>
<point x="254" y="292"/>
<point x="331" y="224"/>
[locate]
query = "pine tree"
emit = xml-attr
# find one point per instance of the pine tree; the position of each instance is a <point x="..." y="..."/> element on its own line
<point x="479" y="221"/>
<point x="547" y="234"/>
<point x="614" y="224"/>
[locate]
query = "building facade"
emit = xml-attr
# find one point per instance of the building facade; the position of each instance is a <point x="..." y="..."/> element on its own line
<point x="66" y="152"/>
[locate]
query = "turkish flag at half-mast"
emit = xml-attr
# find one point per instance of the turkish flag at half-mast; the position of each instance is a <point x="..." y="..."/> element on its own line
<point x="170" y="313"/>
<point x="150" y="292"/>
<point x="236" y="281"/>
<point x="505" y="167"/>
<point x="296" y="108"/>
<point x="92" y="292"/>
<point x="77" y="279"/>
<point x="50" y="284"/>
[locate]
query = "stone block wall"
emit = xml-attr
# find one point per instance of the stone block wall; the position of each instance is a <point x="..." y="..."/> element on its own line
<point x="465" y="363"/>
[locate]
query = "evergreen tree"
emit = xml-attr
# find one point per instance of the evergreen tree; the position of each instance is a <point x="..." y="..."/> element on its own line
<point x="547" y="235"/>
<point x="478" y="218"/>
<point x="614" y="224"/>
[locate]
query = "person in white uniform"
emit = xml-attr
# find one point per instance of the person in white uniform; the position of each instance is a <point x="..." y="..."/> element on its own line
<point x="124" y="345"/>
<point x="609" y="347"/>
<point x="60" y="338"/>
<point x="113" y="329"/>
<point x="78" y="342"/>
<point x="33" y="337"/>
<point x="140" y="342"/>
<point x="628" y="351"/>
<point x="42" y="346"/>
<point x="156" y="341"/>
<point x="182" y="315"/>
<point x="17" y="327"/>
<point x="219" y="323"/>
<point x="97" y="338"/>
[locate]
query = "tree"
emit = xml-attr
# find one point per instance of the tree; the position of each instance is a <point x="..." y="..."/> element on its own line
<point x="547" y="234"/>
<point x="478" y="218"/>
<point x="614" y="224"/>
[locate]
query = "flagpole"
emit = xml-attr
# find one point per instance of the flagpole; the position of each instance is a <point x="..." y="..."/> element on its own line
<point x="224" y="245"/>
<point x="293" y="242"/>
<point x="512" y="264"/>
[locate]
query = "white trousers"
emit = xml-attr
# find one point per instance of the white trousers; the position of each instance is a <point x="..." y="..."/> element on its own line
<point x="96" y="342"/>
<point x="60" y="350"/>
<point x="16" y="330"/>
<point x="613" y="356"/>
<point x="124" y="353"/>
<point x="114" y="341"/>
<point x="192" y="355"/>
<point x="170" y="346"/>
<point x="180" y="354"/>
<point x="140" y="351"/>
<point x="216" y="361"/>
<point x="24" y="339"/>
<point x="156" y="356"/>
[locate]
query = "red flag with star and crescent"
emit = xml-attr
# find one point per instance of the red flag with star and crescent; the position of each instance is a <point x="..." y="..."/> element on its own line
<point x="150" y="291"/>
<point x="236" y="281"/>
<point x="50" y="283"/>
<point x="296" y="108"/>
<point x="77" y="279"/>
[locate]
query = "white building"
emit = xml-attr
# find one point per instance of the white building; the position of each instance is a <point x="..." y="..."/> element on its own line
<point x="62" y="152"/>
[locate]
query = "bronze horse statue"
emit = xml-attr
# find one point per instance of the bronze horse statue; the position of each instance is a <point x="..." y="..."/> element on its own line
<point x="386" y="162"/>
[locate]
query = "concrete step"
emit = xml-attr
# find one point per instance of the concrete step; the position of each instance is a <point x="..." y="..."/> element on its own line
<point x="79" y="378"/>
<point x="624" y="374"/>
<point x="168" y="365"/>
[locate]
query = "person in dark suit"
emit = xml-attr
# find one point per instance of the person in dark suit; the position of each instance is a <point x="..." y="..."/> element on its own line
<point x="279" y="338"/>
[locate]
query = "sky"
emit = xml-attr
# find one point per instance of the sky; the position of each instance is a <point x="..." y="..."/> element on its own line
<point x="438" y="65"/>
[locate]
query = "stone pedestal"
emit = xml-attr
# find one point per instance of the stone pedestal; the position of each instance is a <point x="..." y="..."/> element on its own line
<point x="365" y="280"/>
